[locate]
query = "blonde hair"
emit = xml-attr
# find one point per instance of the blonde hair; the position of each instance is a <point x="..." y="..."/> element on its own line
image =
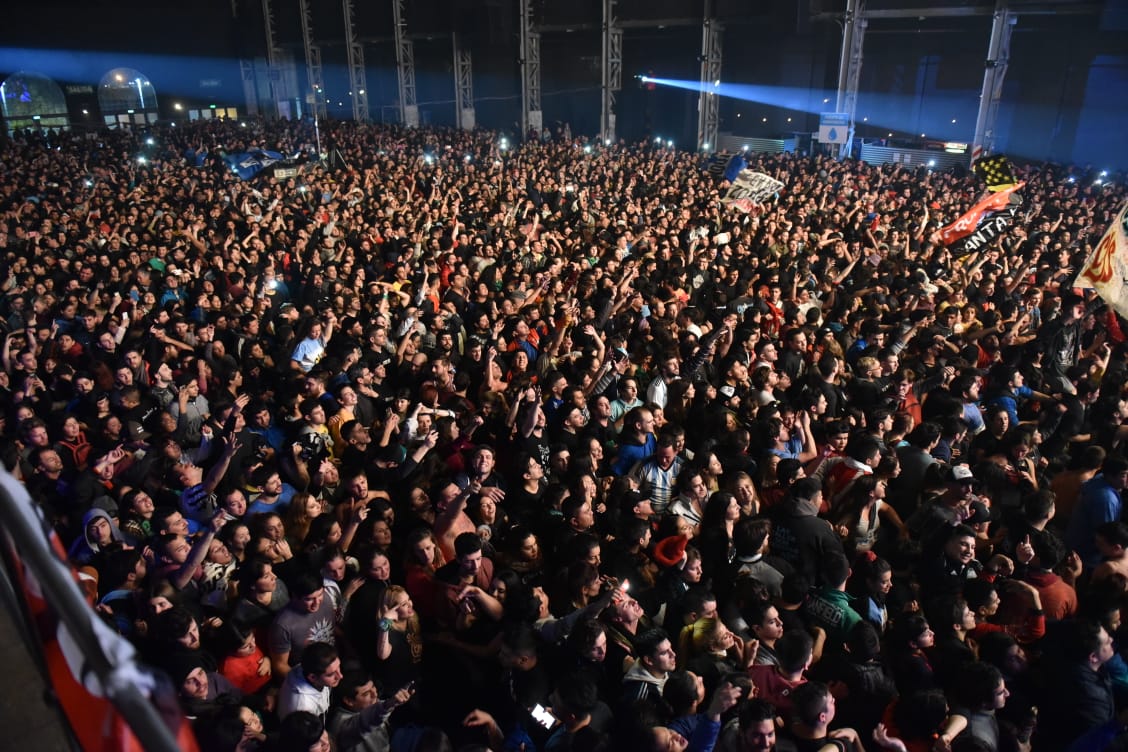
<point x="391" y="593"/>
<point x="866" y="364"/>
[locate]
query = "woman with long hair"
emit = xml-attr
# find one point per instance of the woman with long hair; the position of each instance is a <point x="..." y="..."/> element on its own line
<point x="870" y="583"/>
<point x="261" y="596"/>
<point x="859" y="517"/>
<point x="236" y="535"/>
<point x="692" y="497"/>
<point x="582" y="585"/>
<point x="679" y="402"/>
<point x="715" y="540"/>
<point x="421" y="560"/>
<point x="522" y="553"/>
<point x="709" y="465"/>
<point x="907" y="643"/>
<point x="399" y="639"/>
<point x="304" y="508"/>
<point x="740" y="485"/>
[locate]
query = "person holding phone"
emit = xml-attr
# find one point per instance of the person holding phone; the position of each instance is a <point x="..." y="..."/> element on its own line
<point x="358" y="719"/>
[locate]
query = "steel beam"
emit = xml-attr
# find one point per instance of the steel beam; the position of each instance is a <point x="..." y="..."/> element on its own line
<point x="1027" y="9"/>
<point x="314" y="75"/>
<point x="358" y="79"/>
<point x="405" y="69"/>
<point x="250" y="86"/>
<point x="850" y="64"/>
<point x="611" y="59"/>
<point x="274" y="57"/>
<point x="625" y="23"/>
<point x="998" y="56"/>
<point x="463" y="85"/>
<point x="532" y="117"/>
<point x="709" y="101"/>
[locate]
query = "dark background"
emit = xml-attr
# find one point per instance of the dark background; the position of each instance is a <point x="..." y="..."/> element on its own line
<point x="1064" y="96"/>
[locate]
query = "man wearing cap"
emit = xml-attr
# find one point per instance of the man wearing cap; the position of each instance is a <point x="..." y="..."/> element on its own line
<point x="948" y="508"/>
<point x="196" y="685"/>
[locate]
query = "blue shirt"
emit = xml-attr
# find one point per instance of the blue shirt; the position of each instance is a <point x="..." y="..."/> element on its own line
<point x="1099" y="503"/>
<point x="629" y="454"/>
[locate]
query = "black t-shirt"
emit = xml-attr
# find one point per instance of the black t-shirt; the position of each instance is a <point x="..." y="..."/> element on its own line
<point x="815" y="745"/>
<point x="538" y="447"/>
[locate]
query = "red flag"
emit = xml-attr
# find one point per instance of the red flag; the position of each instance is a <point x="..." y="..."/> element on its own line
<point x="966" y="224"/>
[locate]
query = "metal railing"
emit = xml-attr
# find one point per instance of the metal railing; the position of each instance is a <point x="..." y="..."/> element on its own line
<point x="99" y="660"/>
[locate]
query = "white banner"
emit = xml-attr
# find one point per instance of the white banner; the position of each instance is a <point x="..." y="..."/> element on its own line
<point x="755" y="187"/>
<point x="1106" y="271"/>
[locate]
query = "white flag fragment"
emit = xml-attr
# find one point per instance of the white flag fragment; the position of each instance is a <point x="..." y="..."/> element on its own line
<point x="1106" y="271"/>
<point x="751" y="188"/>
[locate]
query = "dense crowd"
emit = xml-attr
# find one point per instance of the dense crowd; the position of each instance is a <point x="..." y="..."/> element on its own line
<point x="453" y="442"/>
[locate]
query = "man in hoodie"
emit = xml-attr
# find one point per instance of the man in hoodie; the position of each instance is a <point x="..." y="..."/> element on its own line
<point x="644" y="682"/>
<point x="799" y="536"/>
<point x="829" y="607"/>
<point x="98" y="531"/>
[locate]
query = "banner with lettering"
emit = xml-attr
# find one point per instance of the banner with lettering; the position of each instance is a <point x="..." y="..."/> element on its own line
<point x="1002" y="205"/>
<point x="1106" y="271"/>
<point x="247" y="164"/>
<point x="751" y="188"/>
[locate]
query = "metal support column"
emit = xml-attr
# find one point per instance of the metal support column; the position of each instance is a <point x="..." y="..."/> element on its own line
<point x="531" y="115"/>
<point x="998" y="55"/>
<point x="274" y="59"/>
<point x="405" y="69"/>
<point x="315" y="97"/>
<point x="250" y="87"/>
<point x="709" y="101"/>
<point x="850" y="64"/>
<point x="463" y="85"/>
<point x="358" y="81"/>
<point x="612" y="60"/>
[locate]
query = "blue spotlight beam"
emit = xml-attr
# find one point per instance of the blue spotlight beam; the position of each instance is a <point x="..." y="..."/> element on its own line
<point x="953" y="119"/>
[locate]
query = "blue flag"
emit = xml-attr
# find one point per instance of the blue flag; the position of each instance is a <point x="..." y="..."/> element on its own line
<point x="735" y="166"/>
<point x="247" y="164"/>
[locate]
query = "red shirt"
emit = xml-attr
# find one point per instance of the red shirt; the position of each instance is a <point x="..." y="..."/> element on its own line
<point x="243" y="671"/>
<point x="774" y="687"/>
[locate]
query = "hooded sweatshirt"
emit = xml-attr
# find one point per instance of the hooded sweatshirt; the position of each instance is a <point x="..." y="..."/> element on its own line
<point x="640" y="684"/>
<point x="84" y="549"/>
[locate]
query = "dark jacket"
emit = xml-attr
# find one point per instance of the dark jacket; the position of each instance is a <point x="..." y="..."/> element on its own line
<point x="1078" y="701"/>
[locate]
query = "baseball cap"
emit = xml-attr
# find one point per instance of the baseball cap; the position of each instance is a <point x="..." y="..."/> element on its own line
<point x="959" y="474"/>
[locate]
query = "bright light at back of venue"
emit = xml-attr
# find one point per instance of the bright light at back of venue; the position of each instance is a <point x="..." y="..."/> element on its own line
<point x="946" y="116"/>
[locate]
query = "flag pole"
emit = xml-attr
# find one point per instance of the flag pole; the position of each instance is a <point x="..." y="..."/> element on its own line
<point x="317" y="133"/>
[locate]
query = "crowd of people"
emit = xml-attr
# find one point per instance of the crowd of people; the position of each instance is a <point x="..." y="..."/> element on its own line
<point x="456" y="442"/>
